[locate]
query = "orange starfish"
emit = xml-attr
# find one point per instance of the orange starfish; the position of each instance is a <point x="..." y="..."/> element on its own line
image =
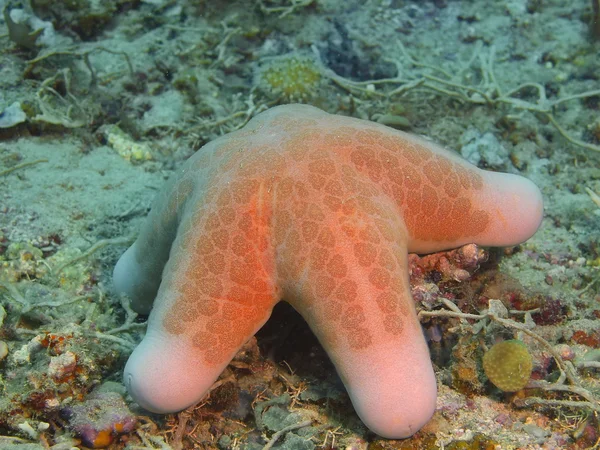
<point x="321" y="211"/>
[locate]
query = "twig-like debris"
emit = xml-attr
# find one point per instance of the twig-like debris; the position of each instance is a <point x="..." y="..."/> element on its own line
<point x="595" y="197"/>
<point x="566" y="369"/>
<point x="85" y="56"/>
<point x="13" y="440"/>
<point x="570" y="138"/>
<point x="589" y="365"/>
<point x="94" y="248"/>
<point x="558" y="386"/>
<point x="55" y="304"/>
<point x="129" y="319"/>
<point x="148" y="440"/>
<point x="28" y="306"/>
<point x="222" y="46"/>
<point x="58" y="109"/>
<point x="129" y="325"/>
<point x="180" y="429"/>
<point x="285" y="430"/>
<point x="14" y="293"/>
<point x="127" y="344"/>
<point x="488" y="93"/>
<point x="22" y="165"/>
<point x="530" y="401"/>
<point x="251" y="110"/>
<point x="284" y="10"/>
<point x="588" y="287"/>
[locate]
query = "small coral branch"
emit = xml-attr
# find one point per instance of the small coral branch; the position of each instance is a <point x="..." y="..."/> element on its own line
<point x="84" y="55"/>
<point x="285" y="430"/>
<point x="21" y="166"/>
<point x="66" y="110"/>
<point x="57" y="109"/>
<point x="231" y="122"/>
<point x="94" y="248"/>
<point x="27" y="306"/>
<point x="129" y="325"/>
<point x="283" y="10"/>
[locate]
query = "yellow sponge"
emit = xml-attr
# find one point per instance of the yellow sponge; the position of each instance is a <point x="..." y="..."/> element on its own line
<point x="508" y="365"/>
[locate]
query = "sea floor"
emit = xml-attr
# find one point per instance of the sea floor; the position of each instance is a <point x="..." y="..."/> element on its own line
<point x="102" y="101"/>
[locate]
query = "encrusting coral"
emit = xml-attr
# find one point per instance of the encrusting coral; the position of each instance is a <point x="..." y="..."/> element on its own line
<point x="321" y="211"/>
<point x="291" y="77"/>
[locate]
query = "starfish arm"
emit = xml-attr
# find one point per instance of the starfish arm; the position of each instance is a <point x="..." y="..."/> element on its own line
<point x="353" y="290"/>
<point x="138" y="272"/>
<point x="447" y="202"/>
<point x="216" y="293"/>
<point x="501" y="210"/>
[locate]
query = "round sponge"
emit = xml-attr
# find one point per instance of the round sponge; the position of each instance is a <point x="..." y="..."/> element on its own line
<point x="508" y="365"/>
<point x="295" y="78"/>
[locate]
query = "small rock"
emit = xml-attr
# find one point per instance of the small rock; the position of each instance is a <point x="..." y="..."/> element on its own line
<point x="11" y="116"/>
<point x="3" y="350"/>
<point x="536" y="432"/>
<point x="62" y="365"/>
<point x="101" y="417"/>
<point x="483" y="150"/>
<point x="565" y="352"/>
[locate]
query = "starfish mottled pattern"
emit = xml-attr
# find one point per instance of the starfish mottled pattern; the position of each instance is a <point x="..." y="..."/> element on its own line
<point x="318" y="210"/>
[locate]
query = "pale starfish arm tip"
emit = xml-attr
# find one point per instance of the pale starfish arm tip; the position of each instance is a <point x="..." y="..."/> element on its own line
<point x="515" y="207"/>
<point x="163" y="377"/>
<point x="399" y="397"/>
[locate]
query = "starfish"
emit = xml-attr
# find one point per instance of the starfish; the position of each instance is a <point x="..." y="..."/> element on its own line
<point x="321" y="211"/>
